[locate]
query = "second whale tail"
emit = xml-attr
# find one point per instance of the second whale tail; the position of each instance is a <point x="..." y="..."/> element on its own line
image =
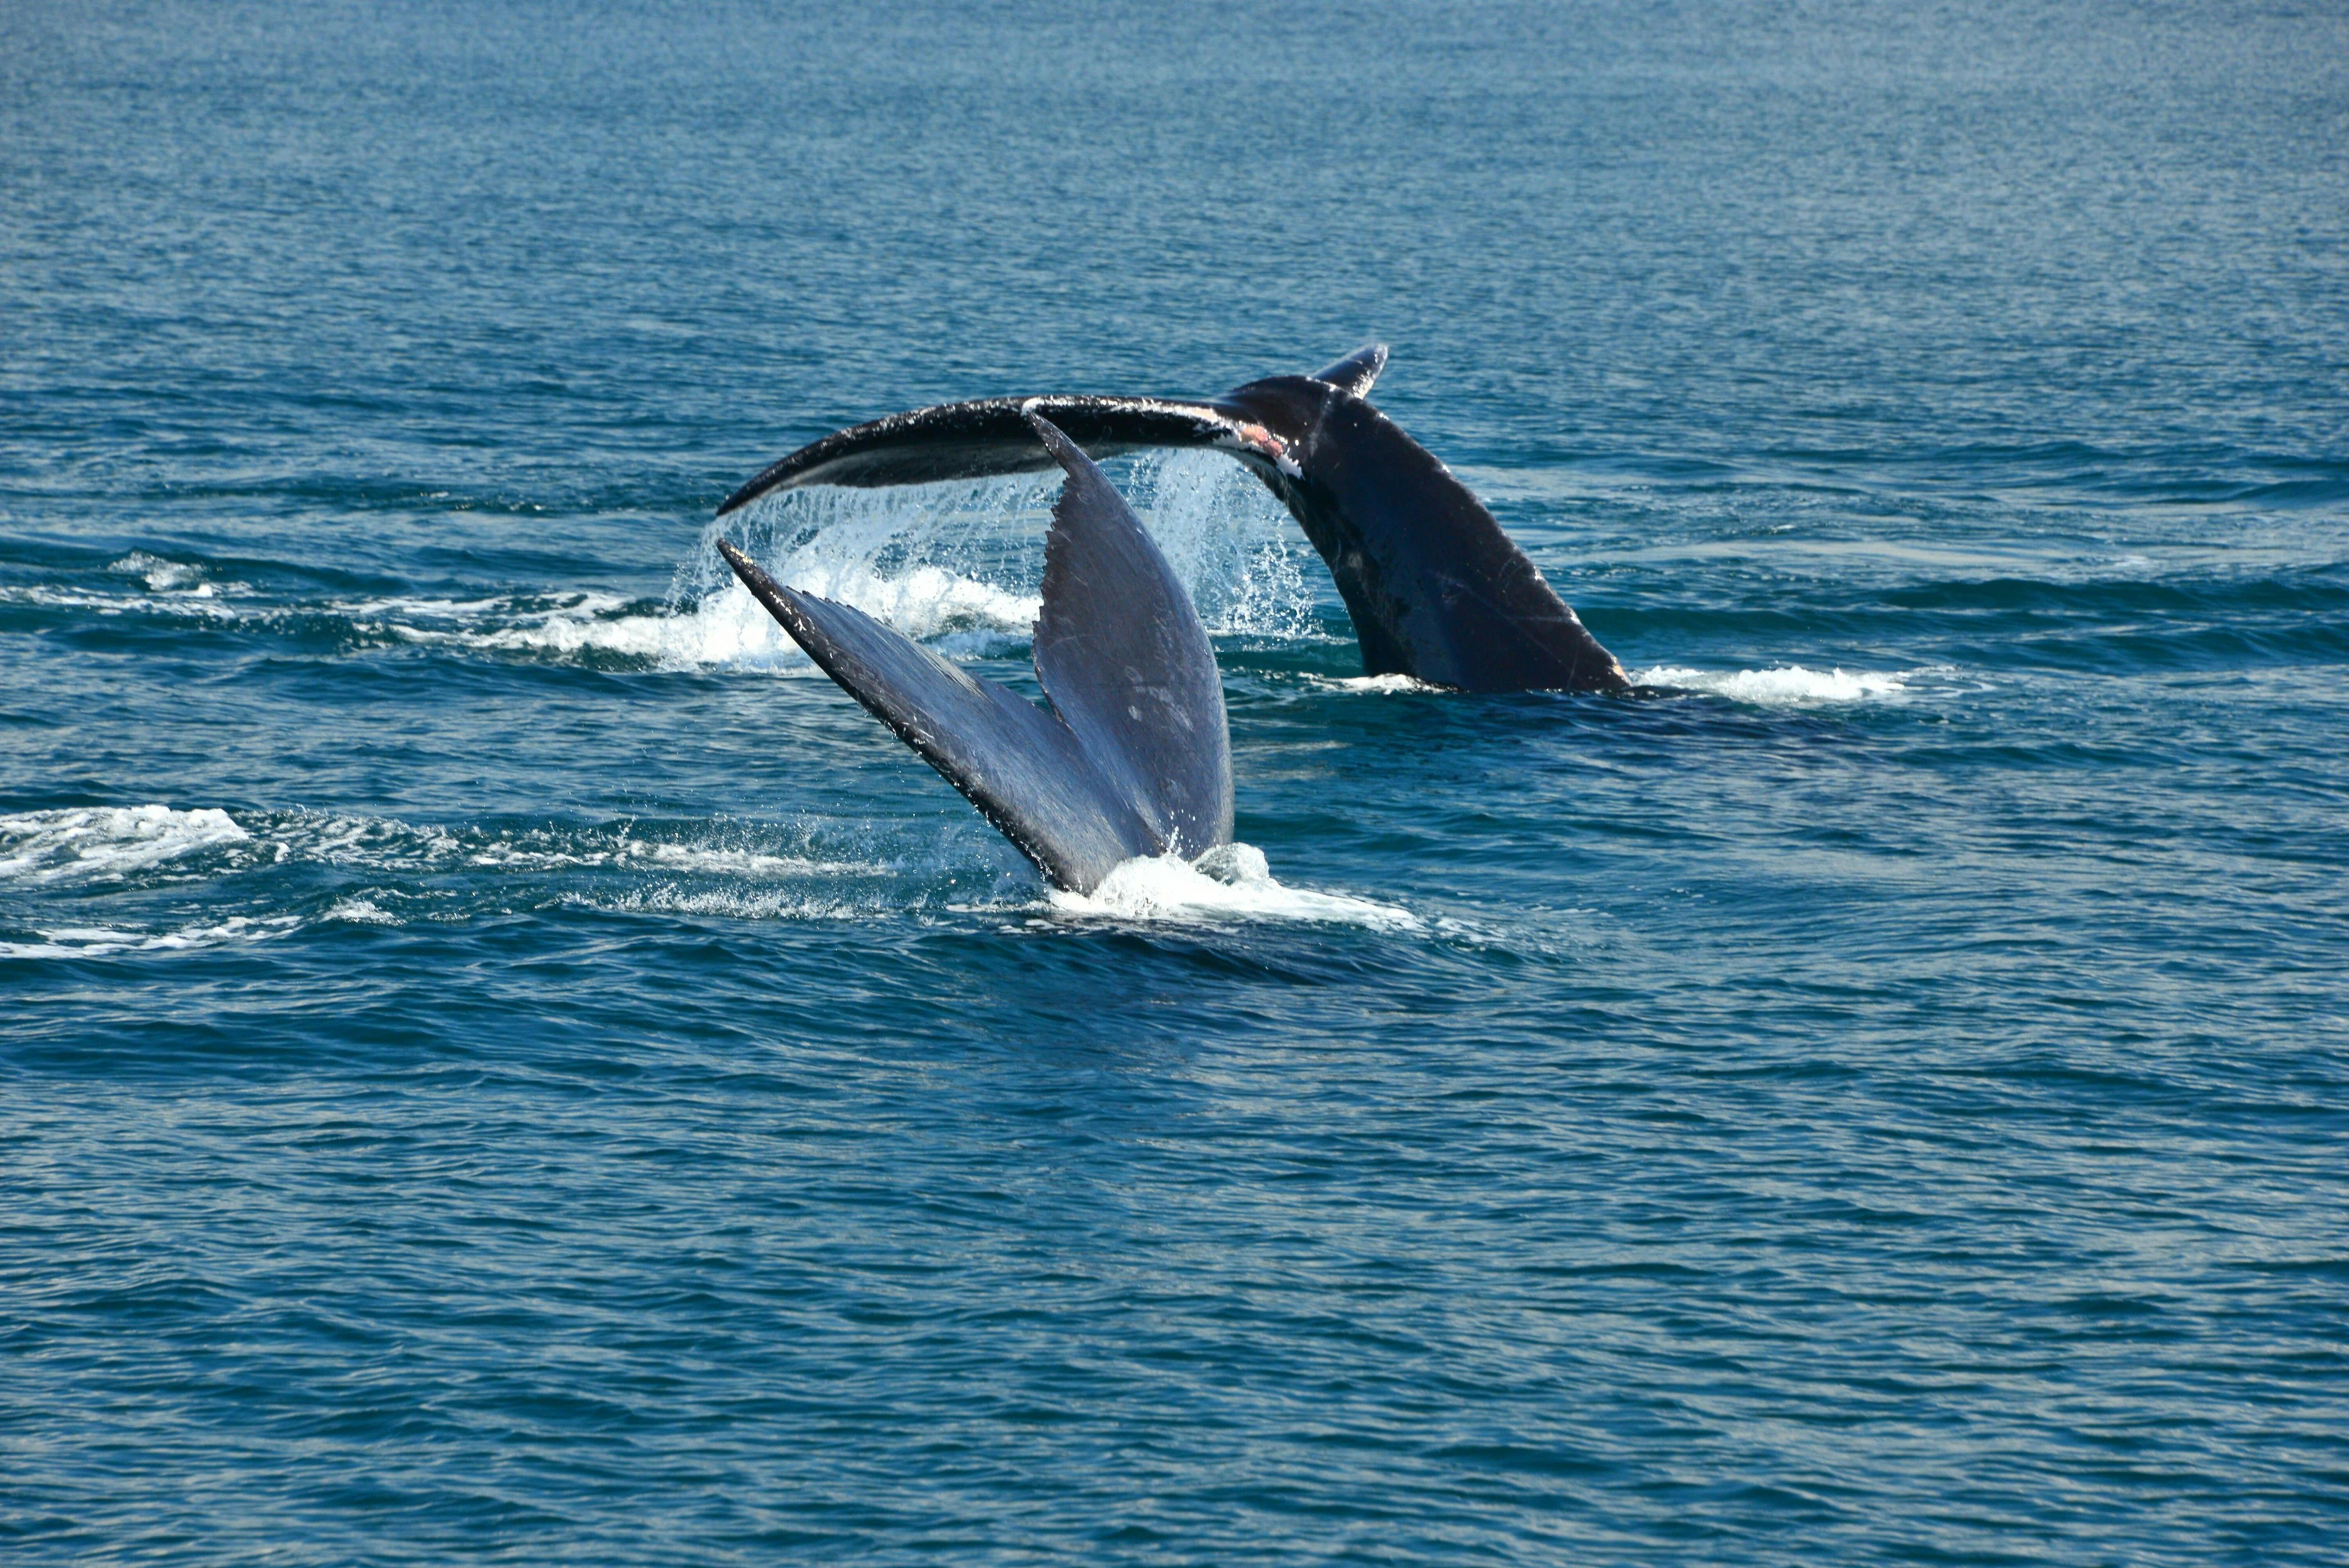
<point x="1436" y="589"/>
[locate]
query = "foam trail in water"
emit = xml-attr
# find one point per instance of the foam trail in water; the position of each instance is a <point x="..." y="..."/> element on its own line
<point x="725" y="628"/>
<point x="410" y="872"/>
<point x="1228" y="884"/>
<point x="1791" y="686"/>
<point x="104" y="842"/>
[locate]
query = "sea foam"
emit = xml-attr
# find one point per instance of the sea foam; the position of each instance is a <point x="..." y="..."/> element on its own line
<point x="100" y="842"/>
<point x="1228" y="884"/>
<point x="1789" y="686"/>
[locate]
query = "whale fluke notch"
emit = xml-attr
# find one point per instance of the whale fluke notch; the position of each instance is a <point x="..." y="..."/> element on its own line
<point x="1436" y="589"/>
<point x="1135" y="756"/>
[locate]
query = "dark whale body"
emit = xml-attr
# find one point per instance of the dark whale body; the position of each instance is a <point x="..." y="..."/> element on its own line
<point x="1135" y="757"/>
<point x="1436" y="591"/>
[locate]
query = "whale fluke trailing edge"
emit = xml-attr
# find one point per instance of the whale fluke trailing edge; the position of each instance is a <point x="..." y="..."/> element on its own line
<point x="1135" y="757"/>
<point x="1437" y="589"/>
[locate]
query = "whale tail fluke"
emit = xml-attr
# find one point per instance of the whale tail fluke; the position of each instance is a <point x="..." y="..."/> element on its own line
<point x="1126" y="662"/>
<point x="991" y="435"/>
<point x="1134" y="759"/>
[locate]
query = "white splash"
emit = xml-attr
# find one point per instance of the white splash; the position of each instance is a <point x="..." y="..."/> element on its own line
<point x="104" y="842"/>
<point x="726" y="628"/>
<point x="1230" y="884"/>
<point x="163" y="576"/>
<point x="1235" y="550"/>
<point x="959" y="560"/>
<point x="1790" y="686"/>
<point x="925" y="602"/>
<point x="1373" y="685"/>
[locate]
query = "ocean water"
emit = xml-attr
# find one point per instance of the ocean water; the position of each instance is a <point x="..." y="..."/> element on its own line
<point x="500" y="1059"/>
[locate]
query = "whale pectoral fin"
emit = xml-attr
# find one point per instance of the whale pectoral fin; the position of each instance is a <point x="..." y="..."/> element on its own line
<point x="1358" y="372"/>
<point x="1127" y="664"/>
<point x="1020" y="765"/>
<point x="991" y="435"/>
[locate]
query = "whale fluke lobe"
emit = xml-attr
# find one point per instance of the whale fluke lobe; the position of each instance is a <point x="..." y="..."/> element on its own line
<point x="1359" y="371"/>
<point x="1017" y="764"/>
<point x="991" y="436"/>
<point x="1135" y="756"/>
<point x="1436" y="589"/>
<point x="1121" y="653"/>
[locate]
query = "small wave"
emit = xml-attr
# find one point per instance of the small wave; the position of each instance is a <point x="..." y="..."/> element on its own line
<point x="201" y="603"/>
<point x="1230" y="884"/>
<point x="105" y="843"/>
<point x="384" y="844"/>
<point x="691" y="859"/>
<point x="393" y="873"/>
<point x="731" y="903"/>
<point x="99" y="942"/>
<point x="1789" y="686"/>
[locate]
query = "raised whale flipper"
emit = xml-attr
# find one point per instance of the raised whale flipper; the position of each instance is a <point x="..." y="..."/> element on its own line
<point x="1436" y="589"/>
<point x="1137" y="758"/>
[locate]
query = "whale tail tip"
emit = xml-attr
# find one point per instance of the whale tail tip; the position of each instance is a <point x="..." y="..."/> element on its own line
<point x="1358" y="372"/>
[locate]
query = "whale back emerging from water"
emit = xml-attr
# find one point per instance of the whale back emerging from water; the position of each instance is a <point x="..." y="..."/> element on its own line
<point x="1134" y="758"/>
<point x="1436" y="591"/>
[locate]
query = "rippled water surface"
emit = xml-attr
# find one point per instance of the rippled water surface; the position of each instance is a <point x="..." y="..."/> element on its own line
<point x="499" y="1058"/>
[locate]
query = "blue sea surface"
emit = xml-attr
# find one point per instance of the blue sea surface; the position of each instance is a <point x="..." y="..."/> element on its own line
<point x="500" y="1059"/>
